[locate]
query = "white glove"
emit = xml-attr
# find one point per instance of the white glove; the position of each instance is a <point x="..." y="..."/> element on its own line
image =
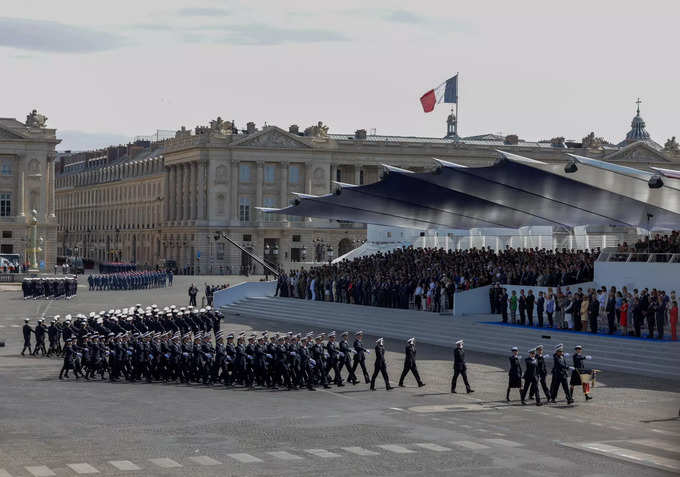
<point x="566" y="355"/>
<point x="342" y="355"/>
<point x="519" y="356"/>
<point x="269" y="356"/>
<point x="571" y="368"/>
<point x="589" y="357"/>
<point x="368" y="352"/>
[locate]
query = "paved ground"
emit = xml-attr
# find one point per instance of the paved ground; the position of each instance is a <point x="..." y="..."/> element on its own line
<point x="48" y="427"/>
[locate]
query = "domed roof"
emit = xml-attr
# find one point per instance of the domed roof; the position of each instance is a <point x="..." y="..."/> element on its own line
<point x="637" y="129"/>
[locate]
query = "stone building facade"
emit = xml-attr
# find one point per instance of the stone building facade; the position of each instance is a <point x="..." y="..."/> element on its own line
<point x="165" y="201"/>
<point x="27" y="183"/>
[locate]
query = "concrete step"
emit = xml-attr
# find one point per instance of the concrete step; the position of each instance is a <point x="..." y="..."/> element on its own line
<point x="608" y="353"/>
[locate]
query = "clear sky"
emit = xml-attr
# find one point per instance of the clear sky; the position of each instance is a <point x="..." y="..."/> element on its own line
<point x="105" y="71"/>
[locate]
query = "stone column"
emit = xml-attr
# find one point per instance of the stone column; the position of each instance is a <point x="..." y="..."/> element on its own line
<point x="256" y="214"/>
<point x="233" y="205"/>
<point x="21" y="193"/>
<point x="166" y="195"/>
<point x="180" y="192"/>
<point x="202" y="204"/>
<point x="308" y="178"/>
<point x="186" y="198"/>
<point x="357" y="174"/>
<point x="283" y="201"/>
<point x="334" y="173"/>
<point x="196" y="192"/>
<point x="171" y="193"/>
<point x="51" y="186"/>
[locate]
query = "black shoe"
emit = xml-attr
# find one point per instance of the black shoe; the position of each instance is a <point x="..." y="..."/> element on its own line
<point x="372" y="389"/>
<point x="326" y="386"/>
<point x="389" y="388"/>
<point x="401" y="385"/>
<point x="570" y="401"/>
<point x="453" y="391"/>
<point x="340" y="385"/>
<point x="470" y="391"/>
<point x="524" y="403"/>
<point x="588" y="398"/>
<point x="539" y="403"/>
<point x="420" y="385"/>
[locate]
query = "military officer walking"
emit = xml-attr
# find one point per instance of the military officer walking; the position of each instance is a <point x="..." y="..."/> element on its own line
<point x="380" y="365"/>
<point x="459" y="368"/>
<point x="515" y="373"/>
<point x="531" y="378"/>
<point x="559" y="374"/>
<point x="27" y="330"/>
<point x="410" y="363"/>
<point x="360" y="355"/>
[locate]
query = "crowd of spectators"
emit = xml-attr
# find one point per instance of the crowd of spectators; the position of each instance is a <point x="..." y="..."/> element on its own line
<point x="658" y="244"/>
<point x="427" y="278"/>
<point x="632" y="313"/>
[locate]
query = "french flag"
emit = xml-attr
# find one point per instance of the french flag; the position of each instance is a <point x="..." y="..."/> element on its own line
<point x="446" y="92"/>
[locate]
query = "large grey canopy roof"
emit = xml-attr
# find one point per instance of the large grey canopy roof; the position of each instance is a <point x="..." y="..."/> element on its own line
<point x="514" y="192"/>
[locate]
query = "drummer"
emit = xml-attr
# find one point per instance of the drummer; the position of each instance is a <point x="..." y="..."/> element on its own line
<point x="579" y="368"/>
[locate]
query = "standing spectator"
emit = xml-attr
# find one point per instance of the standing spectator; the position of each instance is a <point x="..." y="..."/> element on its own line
<point x="623" y="312"/>
<point x="660" y="316"/>
<point x="674" y="320"/>
<point x="513" y="307"/>
<point x="531" y="298"/>
<point x="540" y="306"/>
<point x="611" y="313"/>
<point x="550" y="309"/>
<point x="522" y="307"/>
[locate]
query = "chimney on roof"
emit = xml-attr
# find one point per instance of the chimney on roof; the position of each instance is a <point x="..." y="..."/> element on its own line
<point x="250" y="128"/>
<point x="360" y="134"/>
<point x="294" y="129"/>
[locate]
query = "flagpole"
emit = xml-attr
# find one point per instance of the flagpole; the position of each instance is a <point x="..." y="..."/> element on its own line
<point x="457" y="101"/>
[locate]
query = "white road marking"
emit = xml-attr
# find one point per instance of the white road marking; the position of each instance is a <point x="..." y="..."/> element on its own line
<point x="322" y="453"/>
<point x="205" y="460"/>
<point x="657" y="444"/>
<point x="283" y="455"/>
<point x="433" y="447"/>
<point x="165" y="463"/>
<point x="396" y="449"/>
<point x="17" y="326"/>
<point x="668" y="433"/>
<point x="639" y="457"/>
<point x="360" y="451"/>
<point x="4" y="473"/>
<point x="466" y="426"/>
<point x="504" y="442"/>
<point x="499" y="434"/>
<point x="245" y="458"/>
<point x="470" y="445"/>
<point x="2" y="326"/>
<point x="40" y="471"/>
<point x="124" y="465"/>
<point x="83" y="468"/>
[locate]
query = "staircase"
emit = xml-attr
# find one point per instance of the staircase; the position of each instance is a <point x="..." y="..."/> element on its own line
<point x="644" y="357"/>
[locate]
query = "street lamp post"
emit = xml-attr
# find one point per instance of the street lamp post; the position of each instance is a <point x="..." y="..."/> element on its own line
<point x="34" y="242"/>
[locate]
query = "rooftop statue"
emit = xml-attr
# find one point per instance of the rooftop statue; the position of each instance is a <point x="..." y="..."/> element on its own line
<point x="35" y="120"/>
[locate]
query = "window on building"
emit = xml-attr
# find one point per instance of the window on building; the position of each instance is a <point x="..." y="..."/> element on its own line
<point x="294" y="175"/>
<point x="244" y="173"/>
<point x="220" y="251"/>
<point x="247" y="238"/>
<point x="6" y="234"/>
<point x="244" y="209"/>
<point x="268" y="202"/>
<point x="338" y="175"/>
<point x="6" y="168"/>
<point x="220" y="204"/>
<point x="296" y="238"/>
<point x="361" y="177"/>
<point x="5" y="204"/>
<point x="269" y="173"/>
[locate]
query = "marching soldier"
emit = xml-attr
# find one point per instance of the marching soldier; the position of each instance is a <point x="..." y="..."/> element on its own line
<point x="333" y="358"/>
<point x="515" y="373"/>
<point x="345" y="358"/>
<point x="531" y="378"/>
<point x="575" y="380"/>
<point x="380" y="365"/>
<point x="410" y="363"/>
<point x="559" y="374"/>
<point x="69" y="361"/>
<point x="459" y="368"/>
<point x="27" y="330"/>
<point x="360" y="355"/>
<point x="40" y="332"/>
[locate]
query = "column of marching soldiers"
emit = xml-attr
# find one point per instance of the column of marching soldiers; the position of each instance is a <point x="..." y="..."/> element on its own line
<point x="176" y="345"/>
<point x="34" y="288"/>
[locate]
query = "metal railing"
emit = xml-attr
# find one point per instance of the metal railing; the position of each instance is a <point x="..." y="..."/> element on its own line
<point x="639" y="257"/>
